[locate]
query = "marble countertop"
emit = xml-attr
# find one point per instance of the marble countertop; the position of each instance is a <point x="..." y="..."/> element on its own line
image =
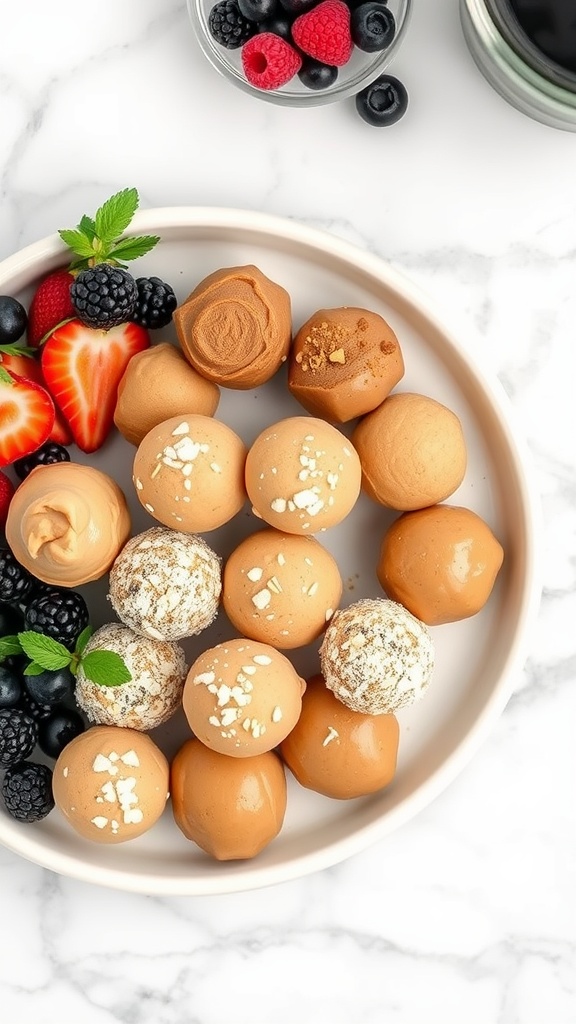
<point x="467" y="913"/>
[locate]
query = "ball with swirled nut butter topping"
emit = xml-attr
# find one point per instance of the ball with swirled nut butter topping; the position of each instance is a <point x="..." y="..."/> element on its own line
<point x="235" y="328"/>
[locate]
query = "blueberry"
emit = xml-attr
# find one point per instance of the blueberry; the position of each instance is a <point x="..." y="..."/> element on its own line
<point x="11" y="620"/>
<point x="13" y="320"/>
<point x="372" y="27"/>
<point x="50" y="688"/>
<point x="58" y="731"/>
<point x="315" y="75"/>
<point x="10" y="687"/>
<point x="296" y="7"/>
<point x="258" y="10"/>
<point x="383" y="102"/>
<point x="280" y="25"/>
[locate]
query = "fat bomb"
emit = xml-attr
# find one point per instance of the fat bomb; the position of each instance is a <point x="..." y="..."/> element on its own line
<point x="235" y="328"/>
<point x="440" y="562"/>
<point x="343" y="363"/>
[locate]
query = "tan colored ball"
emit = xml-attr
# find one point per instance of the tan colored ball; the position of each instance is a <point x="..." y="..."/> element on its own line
<point x="242" y="697"/>
<point x="339" y="752"/>
<point x="111" y="784"/>
<point x="412" y="451"/>
<point x="189" y="473"/>
<point x="302" y="475"/>
<point x="281" y="588"/>
<point x="240" y="805"/>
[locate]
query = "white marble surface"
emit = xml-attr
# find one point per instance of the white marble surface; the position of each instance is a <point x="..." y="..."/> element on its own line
<point x="468" y="912"/>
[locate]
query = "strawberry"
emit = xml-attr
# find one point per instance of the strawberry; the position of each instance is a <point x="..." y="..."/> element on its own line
<point x="26" y="416"/>
<point x="82" y="368"/>
<point x="51" y="304"/>
<point x="19" y="361"/>
<point x="324" y="33"/>
<point x="6" y="493"/>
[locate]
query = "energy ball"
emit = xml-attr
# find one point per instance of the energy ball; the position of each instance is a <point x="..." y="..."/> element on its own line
<point x="111" y="784"/>
<point x="159" y="383"/>
<point x="189" y="473"/>
<point x="242" y="697"/>
<point x="230" y="807"/>
<point x="280" y="588"/>
<point x="302" y="475"/>
<point x="441" y="563"/>
<point x="236" y="327"/>
<point x="338" y="752"/>
<point x="376" y="657"/>
<point x="343" y="363"/>
<point x="412" y="451"/>
<point x="165" y="584"/>
<point x="67" y="522"/>
<point x="152" y="695"/>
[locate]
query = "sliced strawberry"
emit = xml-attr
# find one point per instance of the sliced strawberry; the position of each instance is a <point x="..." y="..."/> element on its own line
<point x="6" y="495"/>
<point x="82" y="368"/>
<point x="29" y="367"/>
<point x="26" y="417"/>
<point x="51" y="304"/>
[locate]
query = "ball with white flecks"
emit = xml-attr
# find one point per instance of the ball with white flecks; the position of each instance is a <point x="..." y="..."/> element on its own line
<point x="153" y="694"/>
<point x="165" y="584"/>
<point x="376" y="656"/>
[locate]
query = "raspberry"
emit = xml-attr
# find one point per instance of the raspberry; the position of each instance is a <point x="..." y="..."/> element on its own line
<point x="269" y="61"/>
<point x="324" y="33"/>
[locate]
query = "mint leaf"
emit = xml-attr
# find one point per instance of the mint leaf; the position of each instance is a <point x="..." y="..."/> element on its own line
<point x="83" y="640"/>
<point x="132" y="248"/>
<point x="34" y="669"/>
<point x="10" y="645"/>
<point x="44" y="651"/>
<point x="77" y="241"/>
<point x="87" y="227"/>
<point x="115" y="215"/>
<point x="106" y="668"/>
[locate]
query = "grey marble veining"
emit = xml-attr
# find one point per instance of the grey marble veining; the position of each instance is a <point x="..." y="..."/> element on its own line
<point x="467" y="913"/>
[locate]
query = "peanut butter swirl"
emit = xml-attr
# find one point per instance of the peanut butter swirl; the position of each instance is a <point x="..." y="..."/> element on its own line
<point x="235" y="327"/>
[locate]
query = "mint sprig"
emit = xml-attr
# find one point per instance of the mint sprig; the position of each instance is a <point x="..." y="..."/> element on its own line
<point x="98" y="240"/>
<point x="105" y="668"/>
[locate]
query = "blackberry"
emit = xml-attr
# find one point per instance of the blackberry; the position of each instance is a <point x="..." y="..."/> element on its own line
<point x="60" y="613"/>
<point x="13" y="320"/>
<point x="156" y="303"/>
<point x="228" y="26"/>
<point x="37" y="710"/>
<point x="59" y="730"/>
<point x="48" y="453"/>
<point x="104" y="296"/>
<point x="27" y="791"/>
<point x="15" y="581"/>
<point x="18" y="736"/>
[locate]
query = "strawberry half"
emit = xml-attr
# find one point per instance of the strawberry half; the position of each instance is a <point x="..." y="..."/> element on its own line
<point x="51" y="304"/>
<point x="82" y="368"/>
<point x="6" y="495"/>
<point x="27" y="366"/>
<point x="26" y="417"/>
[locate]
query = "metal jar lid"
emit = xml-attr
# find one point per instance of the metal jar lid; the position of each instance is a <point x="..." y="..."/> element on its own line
<point x="518" y="71"/>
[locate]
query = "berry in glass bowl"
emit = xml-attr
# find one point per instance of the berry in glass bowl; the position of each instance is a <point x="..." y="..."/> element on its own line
<point x="265" y="46"/>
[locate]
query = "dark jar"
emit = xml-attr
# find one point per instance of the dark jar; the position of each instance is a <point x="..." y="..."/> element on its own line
<point x="527" y="52"/>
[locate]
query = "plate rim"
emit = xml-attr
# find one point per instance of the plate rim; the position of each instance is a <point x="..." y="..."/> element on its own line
<point x="158" y="219"/>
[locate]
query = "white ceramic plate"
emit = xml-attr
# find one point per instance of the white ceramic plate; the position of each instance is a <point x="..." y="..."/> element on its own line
<point x="477" y="661"/>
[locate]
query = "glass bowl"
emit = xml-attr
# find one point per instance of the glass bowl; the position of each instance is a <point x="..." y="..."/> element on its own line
<point x="360" y="71"/>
